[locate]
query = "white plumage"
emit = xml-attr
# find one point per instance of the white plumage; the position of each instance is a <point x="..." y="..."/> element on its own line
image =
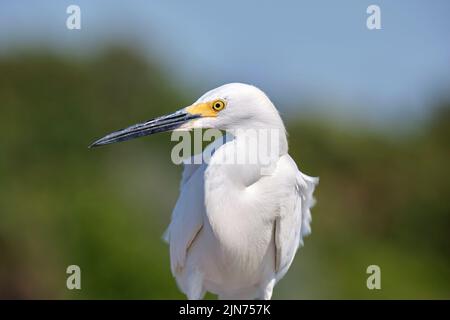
<point x="236" y="226"/>
<point x="234" y="232"/>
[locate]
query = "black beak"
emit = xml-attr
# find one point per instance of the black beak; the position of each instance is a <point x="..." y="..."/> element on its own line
<point x="160" y="124"/>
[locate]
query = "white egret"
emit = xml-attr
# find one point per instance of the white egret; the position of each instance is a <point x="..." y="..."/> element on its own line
<point x="235" y="230"/>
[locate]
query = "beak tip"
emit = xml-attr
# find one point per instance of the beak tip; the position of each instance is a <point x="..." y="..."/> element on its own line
<point x="94" y="144"/>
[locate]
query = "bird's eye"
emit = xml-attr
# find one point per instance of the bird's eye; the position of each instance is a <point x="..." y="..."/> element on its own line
<point x="218" y="105"/>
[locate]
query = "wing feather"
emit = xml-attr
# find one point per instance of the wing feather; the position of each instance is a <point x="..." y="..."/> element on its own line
<point x="294" y="220"/>
<point x="187" y="216"/>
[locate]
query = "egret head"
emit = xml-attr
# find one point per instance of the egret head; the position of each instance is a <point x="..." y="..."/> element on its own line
<point x="229" y="107"/>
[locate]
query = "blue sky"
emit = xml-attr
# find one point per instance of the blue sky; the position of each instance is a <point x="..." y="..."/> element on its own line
<point x="297" y="51"/>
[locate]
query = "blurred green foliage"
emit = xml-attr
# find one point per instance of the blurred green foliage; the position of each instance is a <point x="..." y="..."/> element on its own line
<point x="382" y="199"/>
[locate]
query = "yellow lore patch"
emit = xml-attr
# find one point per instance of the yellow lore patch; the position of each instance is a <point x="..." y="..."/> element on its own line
<point x="207" y="109"/>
